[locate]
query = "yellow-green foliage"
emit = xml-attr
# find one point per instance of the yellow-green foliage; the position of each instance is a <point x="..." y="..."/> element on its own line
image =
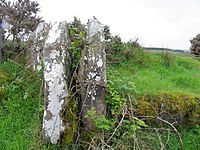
<point x="179" y="107"/>
<point x="3" y="77"/>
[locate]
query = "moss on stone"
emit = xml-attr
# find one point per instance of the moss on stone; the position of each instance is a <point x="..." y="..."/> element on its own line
<point x="180" y="107"/>
<point x="71" y="120"/>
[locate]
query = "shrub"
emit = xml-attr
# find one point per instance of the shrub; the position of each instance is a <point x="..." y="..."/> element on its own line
<point x="114" y="45"/>
<point x="117" y="50"/>
<point x="195" y="46"/>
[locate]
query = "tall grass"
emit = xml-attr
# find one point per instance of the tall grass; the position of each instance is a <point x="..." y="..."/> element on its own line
<point x="20" y="109"/>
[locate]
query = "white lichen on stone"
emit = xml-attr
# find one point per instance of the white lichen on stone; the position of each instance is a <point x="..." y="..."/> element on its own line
<point x="54" y="34"/>
<point x="56" y="95"/>
<point x="93" y="71"/>
<point x="91" y="75"/>
<point x="55" y="85"/>
<point x="36" y="36"/>
<point x="102" y="38"/>
<point x="100" y="63"/>
<point x="85" y="58"/>
<point x="95" y="27"/>
<point x="96" y="60"/>
<point x="39" y="30"/>
<point x="93" y="58"/>
<point x="98" y="78"/>
<point x="93" y="97"/>
<point x="6" y="25"/>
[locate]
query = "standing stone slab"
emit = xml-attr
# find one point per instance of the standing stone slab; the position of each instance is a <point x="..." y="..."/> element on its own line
<point x="56" y="89"/>
<point x="93" y="72"/>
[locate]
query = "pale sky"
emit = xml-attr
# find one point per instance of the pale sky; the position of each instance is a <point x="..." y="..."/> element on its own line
<point x="157" y="23"/>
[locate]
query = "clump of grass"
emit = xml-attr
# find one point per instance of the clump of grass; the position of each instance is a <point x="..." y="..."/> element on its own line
<point x="167" y="58"/>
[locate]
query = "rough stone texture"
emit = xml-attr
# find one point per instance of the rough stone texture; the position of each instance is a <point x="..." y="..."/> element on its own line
<point x="93" y="72"/>
<point x="56" y="89"/>
<point x="38" y="37"/>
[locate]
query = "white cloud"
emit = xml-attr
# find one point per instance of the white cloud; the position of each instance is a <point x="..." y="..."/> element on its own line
<point x="168" y="23"/>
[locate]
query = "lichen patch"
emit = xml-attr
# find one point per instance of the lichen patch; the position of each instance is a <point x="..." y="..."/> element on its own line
<point x="56" y="89"/>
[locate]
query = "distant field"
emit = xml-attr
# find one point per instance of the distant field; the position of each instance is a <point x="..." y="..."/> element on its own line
<point x="162" y="72"/>
<point x="156" y="49"/>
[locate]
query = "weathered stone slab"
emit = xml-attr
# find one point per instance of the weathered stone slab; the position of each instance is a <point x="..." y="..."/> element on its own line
<point x="93" y="72"/>
<point x="56" y="89"/>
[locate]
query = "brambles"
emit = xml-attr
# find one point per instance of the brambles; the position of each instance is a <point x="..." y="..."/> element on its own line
<point x="114" y="46"/>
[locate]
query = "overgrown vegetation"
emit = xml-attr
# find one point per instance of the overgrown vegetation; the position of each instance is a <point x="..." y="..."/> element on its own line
<point x="77" y="35"/>
<point x="21" y="105"/>
<point x="164" y="91"/>
<point x="152" y="98"/>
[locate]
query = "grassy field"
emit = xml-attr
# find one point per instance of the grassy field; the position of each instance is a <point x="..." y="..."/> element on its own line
<point x="21" y="99"/>
<point x="161" y="72"/>
<point x="20" y="108"/>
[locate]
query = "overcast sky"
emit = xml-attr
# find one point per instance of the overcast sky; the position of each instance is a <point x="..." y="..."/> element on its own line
<point x="157" y="23"/>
